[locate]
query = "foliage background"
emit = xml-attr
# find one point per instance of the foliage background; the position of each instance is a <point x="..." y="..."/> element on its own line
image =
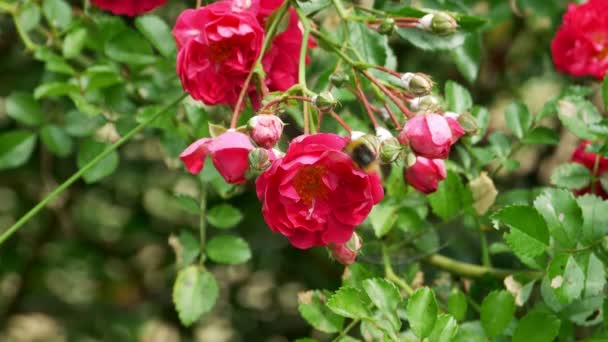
<point x="97" y="264"/>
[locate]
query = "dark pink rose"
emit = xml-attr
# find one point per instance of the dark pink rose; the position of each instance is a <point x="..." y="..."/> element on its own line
<point x="431" y="135"/>
<point x="128" y="7"/>
<point x="315" y="195"/>
<point x="426" y="174"/>
<point x="229" y="152"/>
<point x="217" y="48"/>
<point x="580" y="46"/>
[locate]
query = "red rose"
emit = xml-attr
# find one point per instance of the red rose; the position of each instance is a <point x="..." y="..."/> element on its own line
<point x="346" y="253"/>
<point x="229" y="152"/>
<point x="218" y="46"/>
<point x="128" y="7"/>
<point x="315" y="195"/>
<point x="587" y="159"/>
<point x="426" y="174"/>
<point x="431" y="135"/>
<point x="580" y="46"/>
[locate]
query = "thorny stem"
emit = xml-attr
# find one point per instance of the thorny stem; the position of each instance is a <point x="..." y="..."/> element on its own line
<point x="388" y="93"/>
<point x="76" y="176"/>
<point x="391" y="275"/>
<point x="258" y="63"/>
<point x="472" y="270"/>
<point x="340" y="121"/>
<point x="283" y="98"/>
<point x="329" y="42"/>
<point x="361" y="95"/>
<point x="392" y="115"/>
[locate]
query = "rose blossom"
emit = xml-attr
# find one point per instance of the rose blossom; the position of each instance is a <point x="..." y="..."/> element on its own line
<point x="315" y="195"/>
<point x="431" y="135"/>
<point x="426" y="174"/>
<point x="266" y="129"/>
<point x="587" y="159"/>
<point x="128" y="7"/>
<point x="580" y="46"/>
<point x="229" y="152"/>
<point x="218" y="46"/>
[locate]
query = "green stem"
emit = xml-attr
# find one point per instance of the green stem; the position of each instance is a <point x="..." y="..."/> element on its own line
<point x="61" y="188"/>
<point x="596" y="165"/>
<point x="340" y="9"/>
<point x="485" y="252"/>
<point x="391" y="275"/>
<point x="29" y="44"/>
<point x="202" y="226"/>
<point x="346" y="330"/>
<point x="472" y="270"/>
<point x="334" y="46"/>
<point x="302" y="67"/>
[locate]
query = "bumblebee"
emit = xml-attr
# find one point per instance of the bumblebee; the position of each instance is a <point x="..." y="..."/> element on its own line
<point x="364" y="152"/>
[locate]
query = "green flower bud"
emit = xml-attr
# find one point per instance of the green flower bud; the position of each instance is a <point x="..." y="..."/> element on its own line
<point x="468" y="123"/>
<point x="439" y="23"/>
<point x="417" y="84"/>
<point x="259" y="160"/>
<point x="338" y="79"/>
<point x="387" y="26"/>
<point x="390" y="150"/>
<point x="428" y="103"/>
<point x="324" y="102"/>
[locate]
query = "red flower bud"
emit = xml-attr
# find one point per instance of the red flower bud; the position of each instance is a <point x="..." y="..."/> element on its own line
<point x="587" y="159"/>
<point x="346" y="253"/>
<point x="431" y="135"/>
<point x="265" y="129"/>
<point x="426" y="174"/>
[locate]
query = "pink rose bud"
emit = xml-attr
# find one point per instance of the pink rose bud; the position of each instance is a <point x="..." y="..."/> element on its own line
<point x="265" y="129"/>
<point x="229" y="152"/>
<point x="426" y="174"/>
<point x="346" y="253"/>
<point x="128" y="7"/>
<point x="457" y="130"/>
<point x="431" y="135"/>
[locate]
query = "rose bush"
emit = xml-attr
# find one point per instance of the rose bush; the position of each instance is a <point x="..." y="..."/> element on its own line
<point x="378" y="172"/>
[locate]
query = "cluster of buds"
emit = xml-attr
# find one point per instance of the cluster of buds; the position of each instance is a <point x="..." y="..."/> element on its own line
<point x="265" y="130"/>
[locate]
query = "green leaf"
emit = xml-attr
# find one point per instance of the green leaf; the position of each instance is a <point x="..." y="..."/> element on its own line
<point x="80" y="125"/>
<point x="537" y="326"/>
<point x="595" y="217"/>
<point x="194" y="293"/>
<point x="467" y="57"/>
<point x="24" y="108"/>
<point x="382" y="293"/>
<point x="429" y="41"/>
<point x="157" y="32"/>
<point x="101" y="76"/>
<point x="74" y="42"/>
<point x="445" y="329"/>
<point x="450" y="198"/>
<point x="595" y="274"/>
<point x="541" y="136"/>
<point x="129" y="47"/>
<point x="228" y="249"/>
<point x="57" y="12"/>
<point x="526" y="248"/>
<point x="187" y="250"/>
<point x="482" y="116"/>
<point x="578" y="115"/>
<point x="562" y="214"/>
<point x="16" y="147"/>
<point x="470" y="332"/>
<point x="422" y="311"/>
<point x="29" y="16"/>
<point x="566" y="278"/>
<point x="53" y="62"/>
<point x="571" y="176"/>
<point x="458" y="98"/>
<point x="383" y="218"/>
<point x="457" y="304"/>
<point x="189" y="204"/>
<point x="349" y="302"/>
<point x="517" y="118"/>
<point x="105" y="167"/>
<point x="224" y="216"/>
<point x="55" y="89"/>
<point x="497" y="311"/>
<point x="371" y="45"/>
<point x="526" y="220"/>
<point x="312" y="308"/>
<point x="56" y="140"/>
